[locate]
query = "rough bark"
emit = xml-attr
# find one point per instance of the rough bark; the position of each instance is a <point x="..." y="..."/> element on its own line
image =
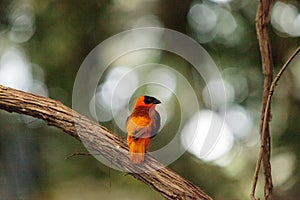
<point x="262" y="23"/>
<point x="100" y="141"/>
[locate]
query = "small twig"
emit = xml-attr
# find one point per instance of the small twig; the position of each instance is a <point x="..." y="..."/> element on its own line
<point x="276" y="79"/>
<point x="78" y="154"/>
<point x="271" y="91"/>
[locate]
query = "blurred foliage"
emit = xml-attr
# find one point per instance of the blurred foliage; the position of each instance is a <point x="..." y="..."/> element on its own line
<point x="55" y="37"/>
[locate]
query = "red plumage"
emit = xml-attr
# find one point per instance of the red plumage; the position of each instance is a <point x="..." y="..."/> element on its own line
<point x="142" y="124"/>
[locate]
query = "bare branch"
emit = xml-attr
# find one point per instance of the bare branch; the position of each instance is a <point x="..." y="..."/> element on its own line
<point x="272" y="88"/>
<point x="102" y="141"/>
<point x="262" y="22"/>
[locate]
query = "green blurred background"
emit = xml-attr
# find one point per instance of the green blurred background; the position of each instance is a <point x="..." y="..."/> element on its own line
<point x="43" y="43"/>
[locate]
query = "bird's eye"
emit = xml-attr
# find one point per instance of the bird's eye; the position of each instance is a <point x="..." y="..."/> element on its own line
<point x="148" y="99"/>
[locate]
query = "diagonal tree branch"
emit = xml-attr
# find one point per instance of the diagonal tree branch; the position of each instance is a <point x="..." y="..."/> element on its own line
<point x="101" y="141"/>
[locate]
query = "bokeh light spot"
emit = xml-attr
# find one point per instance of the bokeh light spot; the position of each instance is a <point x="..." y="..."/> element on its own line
<point x="207" y="121"/>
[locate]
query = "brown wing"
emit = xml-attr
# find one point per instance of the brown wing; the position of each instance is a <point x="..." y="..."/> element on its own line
<point x="155" y="125"/>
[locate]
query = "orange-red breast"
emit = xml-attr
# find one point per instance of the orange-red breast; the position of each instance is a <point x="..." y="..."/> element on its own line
<point x="142" y="124"/>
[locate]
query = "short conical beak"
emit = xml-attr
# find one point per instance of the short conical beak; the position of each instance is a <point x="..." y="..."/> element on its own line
<point x="155" y="101"/>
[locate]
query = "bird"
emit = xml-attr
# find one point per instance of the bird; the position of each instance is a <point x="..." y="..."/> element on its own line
<point x="141" y="125"/>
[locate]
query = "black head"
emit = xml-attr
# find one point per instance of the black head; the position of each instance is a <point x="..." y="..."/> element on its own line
<point x="151" y="100"/>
